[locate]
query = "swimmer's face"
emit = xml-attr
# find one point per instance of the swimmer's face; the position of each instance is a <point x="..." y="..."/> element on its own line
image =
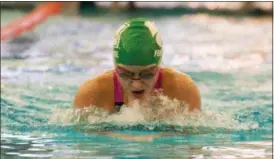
<point x="137" y="81"/>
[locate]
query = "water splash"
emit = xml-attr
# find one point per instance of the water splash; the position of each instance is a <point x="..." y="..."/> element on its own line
<point x="159" y="114"/>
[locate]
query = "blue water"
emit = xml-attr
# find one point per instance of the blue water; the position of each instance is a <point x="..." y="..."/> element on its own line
<point x="229" y="58"/>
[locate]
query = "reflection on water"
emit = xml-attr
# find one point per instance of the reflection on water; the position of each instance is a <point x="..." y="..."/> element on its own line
<point x="70" y="148"/>
<point x="229" y="58"/>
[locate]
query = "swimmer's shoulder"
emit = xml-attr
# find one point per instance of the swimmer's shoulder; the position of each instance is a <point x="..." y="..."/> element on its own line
<point x="97" y="91"/>
<point x="172" y="76"/>
<point x="181" y="86"/>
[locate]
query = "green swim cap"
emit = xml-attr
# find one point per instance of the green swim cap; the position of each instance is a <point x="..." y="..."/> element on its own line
<point x="138" y="42"/>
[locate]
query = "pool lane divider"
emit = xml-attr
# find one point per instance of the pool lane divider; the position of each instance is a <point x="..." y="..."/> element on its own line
<point x="29" y="21"/>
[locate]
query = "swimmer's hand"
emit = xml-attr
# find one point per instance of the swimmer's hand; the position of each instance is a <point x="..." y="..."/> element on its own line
<point x="139" y="138"/>
<point x="129" y="137"/>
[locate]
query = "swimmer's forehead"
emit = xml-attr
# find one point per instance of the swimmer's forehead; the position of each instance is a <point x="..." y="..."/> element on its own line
<point x="136" y="68"/>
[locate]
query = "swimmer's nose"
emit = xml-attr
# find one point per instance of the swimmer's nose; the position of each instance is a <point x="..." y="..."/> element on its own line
<point x="136" y="84"/>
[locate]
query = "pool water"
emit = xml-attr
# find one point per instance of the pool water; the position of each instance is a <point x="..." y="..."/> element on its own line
<point x="230" y="58"/>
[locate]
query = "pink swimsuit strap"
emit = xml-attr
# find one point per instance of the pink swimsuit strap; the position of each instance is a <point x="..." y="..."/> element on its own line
<point x="118" y="93"/>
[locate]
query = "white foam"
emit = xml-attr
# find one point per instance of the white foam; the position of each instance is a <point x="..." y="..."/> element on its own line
<point x="158" y="110"/>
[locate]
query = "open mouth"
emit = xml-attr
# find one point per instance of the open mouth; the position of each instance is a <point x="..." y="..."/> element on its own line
<point x="138" y="93"/>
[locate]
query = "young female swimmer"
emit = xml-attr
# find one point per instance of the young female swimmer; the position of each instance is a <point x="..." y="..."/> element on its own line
<point x="137" y="73"/>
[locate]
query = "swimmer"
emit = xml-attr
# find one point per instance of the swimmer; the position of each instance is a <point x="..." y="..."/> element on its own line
<point x="137" y="73"/>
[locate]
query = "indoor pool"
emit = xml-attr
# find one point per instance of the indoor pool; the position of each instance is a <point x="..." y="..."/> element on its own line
<point x="230" y="58"/>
